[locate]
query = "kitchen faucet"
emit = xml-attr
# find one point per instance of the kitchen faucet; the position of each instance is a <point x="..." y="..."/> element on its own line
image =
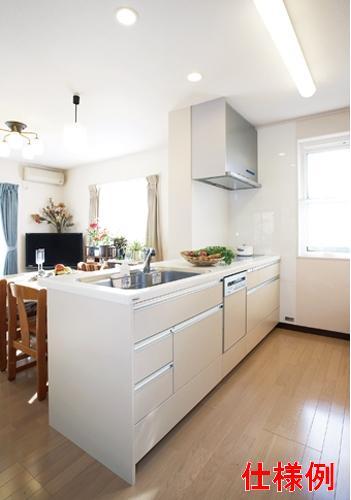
<point x="150" y="252"/>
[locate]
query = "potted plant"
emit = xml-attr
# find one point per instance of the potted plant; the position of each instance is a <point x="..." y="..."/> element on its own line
<point x="97" y="241"/>
<point x="136" y="250"/>
<point x="121" y="243"/>
<point x="56" y="215"/>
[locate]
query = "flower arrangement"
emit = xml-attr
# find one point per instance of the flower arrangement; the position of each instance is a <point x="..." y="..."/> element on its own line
<point x="55" y="214"/>
<point x="97" y="236"/>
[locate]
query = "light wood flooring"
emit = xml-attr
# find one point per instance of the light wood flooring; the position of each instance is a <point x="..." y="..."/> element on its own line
<point x="288" y="400"/>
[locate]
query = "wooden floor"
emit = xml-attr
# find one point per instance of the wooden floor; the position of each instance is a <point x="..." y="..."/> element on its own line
<point x="288" y="400"/>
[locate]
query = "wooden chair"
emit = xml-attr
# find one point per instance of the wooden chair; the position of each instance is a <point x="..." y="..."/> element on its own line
<point x="3" y="325"/>
<point x="31" y="336"/>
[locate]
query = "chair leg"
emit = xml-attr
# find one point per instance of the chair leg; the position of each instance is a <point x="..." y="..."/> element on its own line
<point x="11" y="374"/>
<point x="42" y="369"/>
<point x="41" y="379"/>
<point x="3" y="355"/>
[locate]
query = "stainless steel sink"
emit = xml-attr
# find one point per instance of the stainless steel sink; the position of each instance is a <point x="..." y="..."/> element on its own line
<point x="139" y="279"/>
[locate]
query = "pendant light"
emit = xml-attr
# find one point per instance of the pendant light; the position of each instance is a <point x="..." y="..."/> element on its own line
<point x="75" y="133"/>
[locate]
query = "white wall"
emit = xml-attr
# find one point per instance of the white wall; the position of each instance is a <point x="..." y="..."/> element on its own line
<point x="198" y="213"/>
<point x="267" y="218"/>
<point x="119" y="169"/>
<point x="32" y="197"/>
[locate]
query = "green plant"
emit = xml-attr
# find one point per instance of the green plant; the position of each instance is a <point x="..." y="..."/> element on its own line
<point x="226" y="253"/>
<point x="120" y="242"/>
<point x="136" y="246"/>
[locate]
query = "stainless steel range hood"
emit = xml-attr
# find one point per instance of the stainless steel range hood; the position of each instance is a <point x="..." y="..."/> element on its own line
<point x="223" y="146"/>
<point x="231" y="181"/>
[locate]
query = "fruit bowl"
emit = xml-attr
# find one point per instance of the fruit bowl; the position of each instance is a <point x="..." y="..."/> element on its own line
<point x="201" y="260"/>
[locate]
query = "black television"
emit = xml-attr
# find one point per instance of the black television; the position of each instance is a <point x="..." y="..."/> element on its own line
<point x="60" y="248"/>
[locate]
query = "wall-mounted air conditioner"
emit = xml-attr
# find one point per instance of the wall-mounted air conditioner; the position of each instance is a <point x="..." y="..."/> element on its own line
<point x="44" y="176"/>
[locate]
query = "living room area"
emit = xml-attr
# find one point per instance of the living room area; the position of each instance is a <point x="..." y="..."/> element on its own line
<point x="123" y="204"/>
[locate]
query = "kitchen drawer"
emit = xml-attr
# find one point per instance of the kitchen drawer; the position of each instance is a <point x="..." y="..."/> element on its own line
<point x="261" y="330"/>
<point x="152" y="391"/>
<point x="162" y="313"/>
<point x="156" y="424"/>
<point x="151" y="354"/>
<point x="197" y="343"/>
<point x="255" y="278"/>
<point x="261" y="302"/>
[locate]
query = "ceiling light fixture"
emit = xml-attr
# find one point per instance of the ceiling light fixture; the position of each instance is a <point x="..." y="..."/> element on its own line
<point x="194" y="77"/>
<point x="126" y="16"/>
<point x="75" y="133"/>
<point x="277" y="22"/>
<point x="15" y="138"/>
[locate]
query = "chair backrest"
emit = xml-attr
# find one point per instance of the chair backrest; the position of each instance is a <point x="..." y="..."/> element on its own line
<point x="17" y="295"/>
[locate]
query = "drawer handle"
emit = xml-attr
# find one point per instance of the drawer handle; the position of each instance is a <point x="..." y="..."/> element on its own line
<point x="154" y="375"/>
<point x="151" y="340"/>
<point x="263" y="266"/>
<point x="174" y="295"/>
<point x="261" y="285"/>
<point x="196" y="319"/>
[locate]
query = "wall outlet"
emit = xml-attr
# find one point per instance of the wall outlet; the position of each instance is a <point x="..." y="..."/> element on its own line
<point x="289" y="318"/>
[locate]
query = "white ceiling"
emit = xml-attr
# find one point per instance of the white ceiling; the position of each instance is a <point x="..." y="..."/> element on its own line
<point x="129" y="78"/>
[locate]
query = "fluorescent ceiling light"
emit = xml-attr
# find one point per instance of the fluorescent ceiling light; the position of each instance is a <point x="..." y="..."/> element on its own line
<point x="126" y="16"/>
<point x="277" y="21"/>
<point x="194" y="77"/>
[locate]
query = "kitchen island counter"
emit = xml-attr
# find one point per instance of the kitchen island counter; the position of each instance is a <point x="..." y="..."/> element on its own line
<point x="83" y="283"/>
<point x="125" y="366"/>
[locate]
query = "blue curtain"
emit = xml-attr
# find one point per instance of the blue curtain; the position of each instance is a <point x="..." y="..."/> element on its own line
<point x="9" y="217"/>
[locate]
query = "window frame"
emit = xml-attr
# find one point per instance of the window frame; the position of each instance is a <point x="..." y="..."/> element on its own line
<point x="306" y="146"/>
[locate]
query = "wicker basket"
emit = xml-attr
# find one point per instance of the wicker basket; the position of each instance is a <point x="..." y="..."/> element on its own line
<point x="202" y="260"/>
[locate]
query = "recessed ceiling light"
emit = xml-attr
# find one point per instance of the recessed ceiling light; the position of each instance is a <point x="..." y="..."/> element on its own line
<point x="126" y="16"/>
<point x="194" y="77"/>
<point x="277" y="21"/>
<point x="281" y="154"/>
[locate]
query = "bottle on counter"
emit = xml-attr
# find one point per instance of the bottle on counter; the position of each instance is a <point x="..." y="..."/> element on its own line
<point x="125" y="274"/>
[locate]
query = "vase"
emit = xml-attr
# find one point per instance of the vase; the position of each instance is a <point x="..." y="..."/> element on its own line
<point x="91" y="252"/>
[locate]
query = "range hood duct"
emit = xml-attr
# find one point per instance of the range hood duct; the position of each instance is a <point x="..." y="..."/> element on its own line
<point x="223" y="147"/>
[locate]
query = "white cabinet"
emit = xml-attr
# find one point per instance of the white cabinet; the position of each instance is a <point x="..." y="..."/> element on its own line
<point x="197" y="343"/>
<point x="259" y="275"/>
<point x="161" y="314"/>
<point x="152" y="353"/>
<point x="234" y="318"/>
<point x="152" y="391"/>
<point x="261" y="302"/>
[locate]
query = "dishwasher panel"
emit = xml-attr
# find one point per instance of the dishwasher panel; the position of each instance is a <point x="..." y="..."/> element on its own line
<point x="234" y="309"/>
<point x="234" y="318"/>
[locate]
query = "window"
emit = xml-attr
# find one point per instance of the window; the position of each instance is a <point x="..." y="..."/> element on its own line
<point x="123" y="209"/>
<point x="324" y="202"/>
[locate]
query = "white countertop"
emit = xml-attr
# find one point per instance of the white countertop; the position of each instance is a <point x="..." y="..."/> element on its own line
<point x="83" y="283"/>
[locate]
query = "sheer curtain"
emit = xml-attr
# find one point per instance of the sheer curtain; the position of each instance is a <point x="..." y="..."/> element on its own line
<point x="9" y="219"/>
<point x="153" y="227"/>
<point x="94" y="193"/>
